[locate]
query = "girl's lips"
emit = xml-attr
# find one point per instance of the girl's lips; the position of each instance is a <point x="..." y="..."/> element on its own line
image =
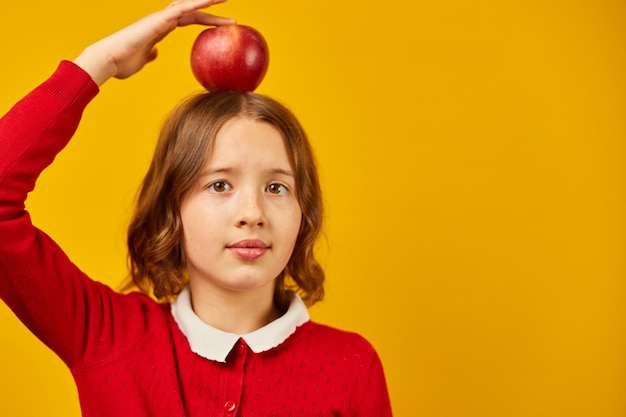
<point x="249" y="249"/>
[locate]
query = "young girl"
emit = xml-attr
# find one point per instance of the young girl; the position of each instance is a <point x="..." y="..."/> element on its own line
<point x="222" y="236"/>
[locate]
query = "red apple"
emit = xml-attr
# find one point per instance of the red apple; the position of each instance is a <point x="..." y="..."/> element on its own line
<point x="231" y="57"/>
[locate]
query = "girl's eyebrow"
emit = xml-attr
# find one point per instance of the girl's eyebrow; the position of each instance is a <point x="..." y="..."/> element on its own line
<point x="227" y="170"/>
<point x="213" y="171"/>
<point x="282" y="171"/>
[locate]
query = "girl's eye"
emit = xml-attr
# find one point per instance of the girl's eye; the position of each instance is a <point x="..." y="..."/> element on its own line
<point x="220" y="187"/>
<point x="276" y="189"/>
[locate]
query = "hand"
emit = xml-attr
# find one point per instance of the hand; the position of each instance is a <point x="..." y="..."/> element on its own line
<point x="126" y="52"/>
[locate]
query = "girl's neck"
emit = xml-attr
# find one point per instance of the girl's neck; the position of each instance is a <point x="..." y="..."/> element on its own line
<point x="234" y="312"/>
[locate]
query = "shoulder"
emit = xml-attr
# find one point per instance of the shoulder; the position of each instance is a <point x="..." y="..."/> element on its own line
<point x="324" y="338"/>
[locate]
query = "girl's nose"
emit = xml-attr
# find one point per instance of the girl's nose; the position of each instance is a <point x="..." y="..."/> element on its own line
<point x="250" y="210"/>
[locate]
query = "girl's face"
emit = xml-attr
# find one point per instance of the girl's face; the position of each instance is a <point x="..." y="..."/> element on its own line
<point x="241" y="219"/>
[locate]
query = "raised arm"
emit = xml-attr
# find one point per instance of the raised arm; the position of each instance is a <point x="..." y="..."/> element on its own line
<point x="127" y="51"/>
<point x="53" y="298"/>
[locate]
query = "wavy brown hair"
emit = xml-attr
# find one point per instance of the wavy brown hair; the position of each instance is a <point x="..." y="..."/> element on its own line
<point x="156" y="258"/>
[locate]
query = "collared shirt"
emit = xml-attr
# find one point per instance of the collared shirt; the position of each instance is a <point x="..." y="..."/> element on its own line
<point x="214" y="344"/>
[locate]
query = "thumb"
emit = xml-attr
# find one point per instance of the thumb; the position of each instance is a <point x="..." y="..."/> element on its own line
<point x="152" y="55"/>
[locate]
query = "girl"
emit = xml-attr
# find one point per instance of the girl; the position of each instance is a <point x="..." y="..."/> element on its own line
<point x="222" y="237"/>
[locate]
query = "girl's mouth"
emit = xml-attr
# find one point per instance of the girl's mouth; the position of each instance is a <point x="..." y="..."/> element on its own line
<point x="249" y="249"/>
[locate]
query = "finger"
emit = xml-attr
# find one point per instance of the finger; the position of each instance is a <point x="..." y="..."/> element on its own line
<point x="186" y="12"/>
<point x="199" y="18"/>
<point x="152" y="55"/>
<point x="183" y="6"/>
<point x="182" y="13"/>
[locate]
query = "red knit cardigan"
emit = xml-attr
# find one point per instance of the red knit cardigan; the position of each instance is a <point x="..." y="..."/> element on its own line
<point x="126" y="353"/>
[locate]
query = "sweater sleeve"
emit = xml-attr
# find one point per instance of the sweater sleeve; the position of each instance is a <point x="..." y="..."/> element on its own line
<point x="69" y="312"/>
<point x="371" y="396"/>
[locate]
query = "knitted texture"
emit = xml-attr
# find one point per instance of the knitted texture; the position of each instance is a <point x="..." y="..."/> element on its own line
<point x="126" y="353"/>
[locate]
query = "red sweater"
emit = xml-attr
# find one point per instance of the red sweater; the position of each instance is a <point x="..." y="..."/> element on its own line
<point x="126" y="352"/>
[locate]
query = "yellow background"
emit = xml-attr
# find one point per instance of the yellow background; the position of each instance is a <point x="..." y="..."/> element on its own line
<point x="473" y="161"/>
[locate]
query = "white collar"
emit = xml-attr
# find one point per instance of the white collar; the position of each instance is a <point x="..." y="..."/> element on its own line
<point x="215" y="344"/>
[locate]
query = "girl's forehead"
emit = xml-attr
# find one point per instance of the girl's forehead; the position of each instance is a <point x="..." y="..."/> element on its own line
<point x="243" y="140"/>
